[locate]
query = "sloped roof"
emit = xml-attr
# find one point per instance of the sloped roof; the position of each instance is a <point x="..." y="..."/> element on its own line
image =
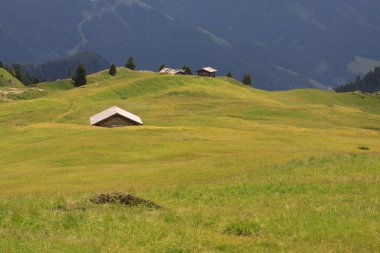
<point x="209" y="69"/>
<point x="114" y="110"/>
<point x="172" y="71"/>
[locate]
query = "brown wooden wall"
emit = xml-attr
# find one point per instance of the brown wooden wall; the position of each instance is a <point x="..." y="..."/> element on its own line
<point x="205" y="73"/>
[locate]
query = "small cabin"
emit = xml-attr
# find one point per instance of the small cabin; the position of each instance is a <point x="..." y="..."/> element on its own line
<point x="115" y="117"/>
<point x="207" y="72"/>
<point x="173" y="71"/>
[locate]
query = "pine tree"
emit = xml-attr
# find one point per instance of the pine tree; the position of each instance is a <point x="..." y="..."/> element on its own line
<point x="162" y="66"/>
<point x="247" y="79"/>
<point x="131" y="63"/>
<point x="112" y="70"/>
<point x="80" y="76"/>
<point x="229" y="74"/>
<point x="187" y="69"/>
<point x="1" y="65"/>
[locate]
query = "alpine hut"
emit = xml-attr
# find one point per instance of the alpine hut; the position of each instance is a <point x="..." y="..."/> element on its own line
<point x="115" y="117"/>
<point x="207" y="71"/>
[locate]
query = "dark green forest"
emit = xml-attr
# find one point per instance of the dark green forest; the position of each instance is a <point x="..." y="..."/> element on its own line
<point x="369" y="83"/>
<point x="283" y="44"/>
<point x="60" y="69"/>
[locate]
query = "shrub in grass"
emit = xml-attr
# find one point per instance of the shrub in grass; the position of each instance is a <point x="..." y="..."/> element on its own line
<point x="363" y="148"/>
<point x="122" y="198"/>
<point x="242" y="228"/>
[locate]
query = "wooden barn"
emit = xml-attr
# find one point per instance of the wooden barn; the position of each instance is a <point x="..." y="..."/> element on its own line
<point x="207" y="71"/>
<point x="115" y="117"/>
<point x="173" y="71"/>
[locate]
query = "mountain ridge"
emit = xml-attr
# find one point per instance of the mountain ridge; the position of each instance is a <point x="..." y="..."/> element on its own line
<point x="283" y="45"/>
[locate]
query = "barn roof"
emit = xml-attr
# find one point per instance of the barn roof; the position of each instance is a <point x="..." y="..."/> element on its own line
<point x="172" y="71"/>
<point x="209" y="69"/>
<point x="114" y="110"/>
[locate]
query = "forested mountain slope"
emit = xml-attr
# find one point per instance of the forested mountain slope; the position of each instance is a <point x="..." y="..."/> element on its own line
<point x="369" y="83"/>
<point x="283" y="44"/>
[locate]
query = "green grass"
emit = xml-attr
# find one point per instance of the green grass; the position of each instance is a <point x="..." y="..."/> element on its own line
<point x="58" y="85"/>
<point x="235" y="169"/>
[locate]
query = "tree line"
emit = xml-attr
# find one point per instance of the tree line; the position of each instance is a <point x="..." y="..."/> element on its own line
<point x="17" y="72"/>
<point x="369" y="83"/>
<point x="79" y="78"/>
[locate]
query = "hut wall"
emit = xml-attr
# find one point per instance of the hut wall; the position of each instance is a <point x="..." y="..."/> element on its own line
<point x="116" y="121"/>
<point x="205" y="73"/>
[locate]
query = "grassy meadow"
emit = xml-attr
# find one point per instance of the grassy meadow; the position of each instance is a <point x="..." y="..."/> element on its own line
<point x="234" y="169"/>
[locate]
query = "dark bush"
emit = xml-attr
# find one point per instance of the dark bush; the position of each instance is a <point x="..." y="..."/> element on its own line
<point x="123" y="199"/>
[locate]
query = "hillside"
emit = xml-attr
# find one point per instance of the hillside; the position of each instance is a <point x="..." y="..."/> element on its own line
<point x="235" y="169"/>
<point x="7" y="80"/>
<point x="307" y="44"/>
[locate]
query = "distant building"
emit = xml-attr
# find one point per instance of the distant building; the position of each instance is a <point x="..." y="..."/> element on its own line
<point x="207" y="71"/>
<point x="115" y="117"/>
<point x="174" y="71"/>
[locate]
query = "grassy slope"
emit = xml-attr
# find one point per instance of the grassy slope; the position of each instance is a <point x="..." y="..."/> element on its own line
<point x="283" y="168"/>
<point x="7" y="80"/>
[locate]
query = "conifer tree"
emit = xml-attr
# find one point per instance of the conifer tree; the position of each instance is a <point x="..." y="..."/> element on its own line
<point x="131" y="63"/>
<point x="229" y="74"/>
<point x="1" y="65"/>
<point x="112" y="70"/>
<point x="187" y="69"/>
<point x="162" y="66"/>
<point x="80" y="76"/>
<point x="247" y="79"/>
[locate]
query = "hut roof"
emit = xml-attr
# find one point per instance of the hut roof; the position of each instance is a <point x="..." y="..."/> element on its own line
<point x="209" y="69"/>
<point x="173" y="71"/>
<point x="114" y="110"/>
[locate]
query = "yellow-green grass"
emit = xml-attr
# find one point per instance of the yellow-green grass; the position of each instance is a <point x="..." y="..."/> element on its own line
<point x="235" y="169"/>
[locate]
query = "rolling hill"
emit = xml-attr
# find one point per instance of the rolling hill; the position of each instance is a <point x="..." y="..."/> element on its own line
<point x="283" y="44"/>
<point x="7" y="80"/>
<point x="235" y="169"/>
